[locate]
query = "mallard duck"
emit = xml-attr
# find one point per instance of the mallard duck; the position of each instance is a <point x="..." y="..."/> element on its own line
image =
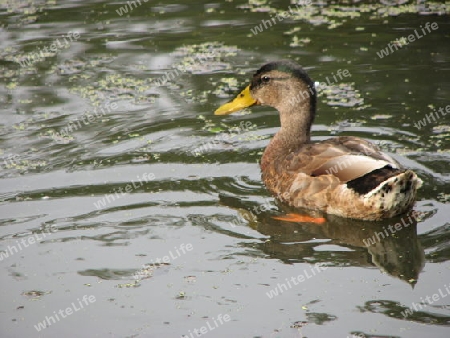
<point x="345" y="176"/>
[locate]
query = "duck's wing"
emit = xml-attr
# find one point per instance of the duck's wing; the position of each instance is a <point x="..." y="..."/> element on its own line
<point x="346" y="158"/>
<point x="364" y="147"/>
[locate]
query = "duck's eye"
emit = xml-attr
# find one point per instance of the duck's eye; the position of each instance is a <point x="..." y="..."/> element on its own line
<point x="265" y="79"/>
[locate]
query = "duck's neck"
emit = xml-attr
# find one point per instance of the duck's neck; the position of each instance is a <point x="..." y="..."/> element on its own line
<point x="296" y="120"/>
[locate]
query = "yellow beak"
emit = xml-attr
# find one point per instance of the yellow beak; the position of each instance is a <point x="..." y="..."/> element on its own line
<point x="243" y="100"/>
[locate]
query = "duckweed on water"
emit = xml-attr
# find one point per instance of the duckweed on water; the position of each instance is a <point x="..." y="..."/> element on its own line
<point x="337" y="14"/>
<point x="191" y="59"/>
<point x="341" y="95"/>
<point x="35" y="294"/>
<point x="204" y="58"/>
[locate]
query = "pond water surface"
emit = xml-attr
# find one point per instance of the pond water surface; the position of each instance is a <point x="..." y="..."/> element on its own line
<point x="127" y="209"/>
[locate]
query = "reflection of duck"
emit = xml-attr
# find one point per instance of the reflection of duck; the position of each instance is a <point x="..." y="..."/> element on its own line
<point x="345" y="176"/>
<point x="391" y="245"/>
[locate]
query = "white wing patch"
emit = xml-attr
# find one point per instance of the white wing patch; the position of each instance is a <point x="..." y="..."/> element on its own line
<point x="348" y="167"/>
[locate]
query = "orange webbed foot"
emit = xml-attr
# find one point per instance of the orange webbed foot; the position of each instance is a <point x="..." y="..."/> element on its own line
<point x="297" y="218"/>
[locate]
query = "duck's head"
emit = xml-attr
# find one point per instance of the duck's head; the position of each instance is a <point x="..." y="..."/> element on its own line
<point x="283" y="85"/>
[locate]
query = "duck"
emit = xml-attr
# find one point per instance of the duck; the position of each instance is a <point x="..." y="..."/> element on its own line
<point x="345" y="176"/>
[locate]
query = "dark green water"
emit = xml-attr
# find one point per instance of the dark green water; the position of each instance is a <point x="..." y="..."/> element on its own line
<point x="154" y="208"/>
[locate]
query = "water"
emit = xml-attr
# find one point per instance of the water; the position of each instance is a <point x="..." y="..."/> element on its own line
<point x="127" y="206"/>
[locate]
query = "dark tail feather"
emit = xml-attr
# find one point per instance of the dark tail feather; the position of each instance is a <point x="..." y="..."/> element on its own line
<point x="362" y="185"/>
